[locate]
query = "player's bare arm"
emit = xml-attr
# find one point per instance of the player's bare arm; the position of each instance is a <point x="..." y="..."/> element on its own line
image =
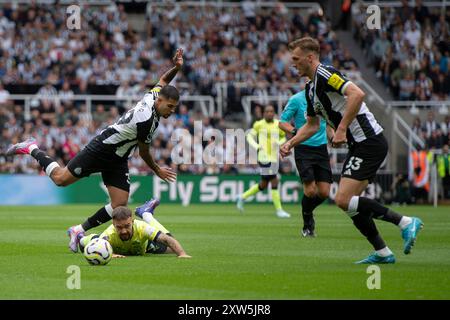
<point x="168" y="76"/>
<point x="173" y="244"/>
<point x="330" y="133"/>
<point x="166" y="174"/>
<point x="355" y="97"/>
<point x="311" y="126"/>
<point x="286" y="127"/>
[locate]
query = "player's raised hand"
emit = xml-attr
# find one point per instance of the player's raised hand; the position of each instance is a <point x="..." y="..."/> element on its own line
<point x="167" y="174"/>
<point x="285" y="149"/>
<point x="178" y="58"/>
<point x="340" y="137"/>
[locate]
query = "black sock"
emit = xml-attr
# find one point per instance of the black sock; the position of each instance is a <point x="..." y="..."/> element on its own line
<point x="41" y="157"/>
<point x="318" y="201"/>
<point x="378" y="211"/>
<point x="367" y="227"/>
<point x="101" y="216"/>
<point x="307" y="212"/>
<point x="308" y="206"/>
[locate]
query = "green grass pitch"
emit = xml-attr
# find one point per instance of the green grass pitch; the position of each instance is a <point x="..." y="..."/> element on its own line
<point x="250" y="256"/>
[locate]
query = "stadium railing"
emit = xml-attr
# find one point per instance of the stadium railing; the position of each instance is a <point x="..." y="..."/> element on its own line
<point x="62" y="2"/>
<point x="398" y="4"/>
<point x="205" y="103"/>
<point x="414" y="106"/>
<point x="230" y="4"/>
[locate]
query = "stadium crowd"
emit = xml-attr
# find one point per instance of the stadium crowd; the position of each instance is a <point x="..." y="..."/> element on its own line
<point x="435" y="133"/>
<point x="245" y="44"/>
<point x="235" y="45"/>
<point x="410" y="53"/>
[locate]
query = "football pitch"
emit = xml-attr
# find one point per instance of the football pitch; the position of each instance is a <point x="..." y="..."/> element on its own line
<point x="253" y="255"/>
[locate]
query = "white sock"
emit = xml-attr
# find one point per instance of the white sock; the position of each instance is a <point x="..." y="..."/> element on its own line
<point x="52" y="166"/>
<point x="384" y="252"/>
<point x="32" y="147"/>
<point x="109" y="209"/>
<point x="147" y="216"/>
<point x="404" y="222"/>
<point x="78" y="228"/>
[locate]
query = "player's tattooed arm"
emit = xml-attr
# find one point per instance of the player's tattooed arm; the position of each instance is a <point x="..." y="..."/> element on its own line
<point x="166" y="174"/>
<point x="168" y="76"/>
<point x="330" y="133"/>
<point x="355" y="97"/>
<point x="173" y="244"/>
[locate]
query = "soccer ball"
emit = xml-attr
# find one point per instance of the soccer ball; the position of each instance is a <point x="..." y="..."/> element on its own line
<point x="98" y="252"/>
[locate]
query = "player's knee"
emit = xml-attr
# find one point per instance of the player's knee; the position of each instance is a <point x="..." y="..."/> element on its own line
<point x="60" y="181"/>
<point x="342" y="201"/>
<point x="324" y="193"/>
<point x="309" y="192"/>
<point x="119" y="203"/>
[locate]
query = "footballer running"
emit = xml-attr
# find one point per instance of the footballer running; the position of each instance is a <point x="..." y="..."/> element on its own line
<point x="330" y="95"/>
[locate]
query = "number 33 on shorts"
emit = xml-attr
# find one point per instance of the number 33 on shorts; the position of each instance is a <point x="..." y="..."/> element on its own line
<point x="354" y="163"/>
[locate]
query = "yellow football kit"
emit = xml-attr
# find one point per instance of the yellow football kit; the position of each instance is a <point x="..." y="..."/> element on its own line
<point x="268" y="138"/>
<point x="137" y="245"/>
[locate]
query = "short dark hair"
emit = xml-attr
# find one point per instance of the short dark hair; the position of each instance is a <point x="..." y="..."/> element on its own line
<point x="170" y="92"/>
<point x="307" y="44"/>
<point x="121" y="213"/>
<point x="269" y="106"/>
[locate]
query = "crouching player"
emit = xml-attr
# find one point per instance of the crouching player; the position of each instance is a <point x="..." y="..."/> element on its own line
<point x="130" y="237"/>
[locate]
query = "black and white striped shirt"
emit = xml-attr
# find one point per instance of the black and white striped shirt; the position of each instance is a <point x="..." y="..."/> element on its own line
<point x="325" y="97"/>
<point x="138" y="124"/>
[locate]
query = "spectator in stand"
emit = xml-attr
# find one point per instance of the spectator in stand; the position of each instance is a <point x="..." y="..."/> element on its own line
<point x="4" y="97"/>
<point x="425" y="84"/>
<point x="431" y="124"/>
<point x="443" y="167"/>
<point x="417" y="126"/>
<point x="47" y="95"/>
<point x="401" y="189"/>
<point x="445" y="126"/>
<point x="407" y="87"/>
<point x="435" y="140"/>
<point x="66" y="95"/>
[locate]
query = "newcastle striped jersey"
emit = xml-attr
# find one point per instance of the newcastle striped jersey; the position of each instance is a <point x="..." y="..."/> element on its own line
<point x="121" y="138"/>
<point x="325" y="97"/>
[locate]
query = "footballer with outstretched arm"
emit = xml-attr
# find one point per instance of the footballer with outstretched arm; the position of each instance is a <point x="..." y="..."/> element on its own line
<point x="109" y="151"/>
<point x="131" y="237"/>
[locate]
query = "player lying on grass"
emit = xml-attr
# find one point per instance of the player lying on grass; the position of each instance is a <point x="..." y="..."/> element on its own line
<point x="130" y="237"/>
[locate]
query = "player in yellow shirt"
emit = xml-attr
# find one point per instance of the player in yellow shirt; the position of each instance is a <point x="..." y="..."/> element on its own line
<point x="266" y="137"/>
<point x="129" y="237"/>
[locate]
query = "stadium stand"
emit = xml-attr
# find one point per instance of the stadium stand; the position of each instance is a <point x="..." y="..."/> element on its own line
<point x="410" y="53"/>
<point x="226" y="45"/>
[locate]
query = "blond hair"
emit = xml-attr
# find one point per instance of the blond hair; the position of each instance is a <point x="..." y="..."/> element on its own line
<point x="306" y="44"/>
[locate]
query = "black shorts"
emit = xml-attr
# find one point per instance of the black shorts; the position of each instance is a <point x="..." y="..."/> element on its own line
<point x="114" y="172"/>
<point x="313" y="163"/>
<point x="365" y="158"/>
<point x="269" y="170"/>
